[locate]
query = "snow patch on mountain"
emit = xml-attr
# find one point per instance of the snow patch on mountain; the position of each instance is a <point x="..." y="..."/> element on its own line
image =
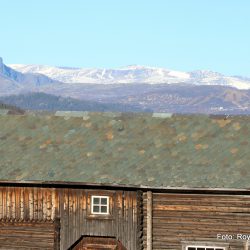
<point x="132" y="74"/>
<point x="14" y="82"/>
<point x="129" y="74"/>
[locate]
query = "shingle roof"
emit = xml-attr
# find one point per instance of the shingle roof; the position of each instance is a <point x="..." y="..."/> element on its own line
<point x="159" y="150"/>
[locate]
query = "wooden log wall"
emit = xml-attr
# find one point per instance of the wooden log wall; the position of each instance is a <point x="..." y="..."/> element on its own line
<point x="72" y="208"/>
<point x="179" y="218"/>
<point x="76" y="220"/>
<point x="98" y="243"/>
<point x="28" y="204"/>
<point x="27" y="235"/>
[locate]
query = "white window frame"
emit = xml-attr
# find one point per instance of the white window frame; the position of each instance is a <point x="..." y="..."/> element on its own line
<point x="92" y="204"/>
<point x="205" y="247"/>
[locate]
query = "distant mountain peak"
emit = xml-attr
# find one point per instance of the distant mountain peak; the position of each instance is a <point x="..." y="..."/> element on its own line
<point x="13" y="82"/>
<point x="205" y="73"/>
<point x="153" y="88"/>
<point x="132" y="74"/>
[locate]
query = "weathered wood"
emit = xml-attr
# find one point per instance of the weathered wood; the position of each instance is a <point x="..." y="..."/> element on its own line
<point x="174" y="217"/>
<point x="121" y="224"/>
<point x="196" y="217"/>
<point x="71" y="207"/>
<point x="139" y="220"/>
<point x="246" y="245"/>
<point x="27" y="235"/>
<point x="97" y="243"/>
<point x="149" y="220"/>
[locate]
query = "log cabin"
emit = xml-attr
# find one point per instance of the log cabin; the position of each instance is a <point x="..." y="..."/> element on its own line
<point x="80" y="180"/>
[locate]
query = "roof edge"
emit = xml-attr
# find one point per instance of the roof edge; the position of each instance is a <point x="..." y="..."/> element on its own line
<point x="126" y="186"/>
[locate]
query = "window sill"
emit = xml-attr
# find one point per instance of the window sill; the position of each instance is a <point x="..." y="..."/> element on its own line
<point x="100" y="217"/>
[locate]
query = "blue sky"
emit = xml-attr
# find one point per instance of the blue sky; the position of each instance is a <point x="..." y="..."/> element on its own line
<point x="176" y="34"/>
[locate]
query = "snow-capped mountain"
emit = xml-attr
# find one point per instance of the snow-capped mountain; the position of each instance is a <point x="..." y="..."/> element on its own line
<point x="13" y="82"/>
<point x="130" y="74"/>
<point x="33" y="78"/>
<point x="133" y="74"/>
<point x="140" y="87"/>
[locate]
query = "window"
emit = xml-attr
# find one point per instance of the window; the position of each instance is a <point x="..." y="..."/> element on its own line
<point x="99" y="204"/>
<point x="204" y="248"/>
<point x="204" y="245"/>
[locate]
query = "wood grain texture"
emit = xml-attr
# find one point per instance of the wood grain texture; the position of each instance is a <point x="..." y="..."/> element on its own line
<point x="28" y="235"/>
<point x="149" y="220"/>
<point x="101" y="243"/>
<point x="197" y="217"/>
<point x="69" y="208"/>
<point x="27" y="204"/>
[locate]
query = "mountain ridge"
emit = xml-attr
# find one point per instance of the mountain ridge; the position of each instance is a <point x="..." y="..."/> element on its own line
<point x="134" y="74"/>
<point x="47" y="102"/>
<point x="13" y="81"/>
<point x="200" y="91"/>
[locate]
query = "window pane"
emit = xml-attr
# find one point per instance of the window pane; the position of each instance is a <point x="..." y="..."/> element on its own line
<point x="104" y="209"/>
<point x="96" y="200"/>
<point x="204" y="248"/>
<point x="96" y="209"/>
<point x="104" y="201"/>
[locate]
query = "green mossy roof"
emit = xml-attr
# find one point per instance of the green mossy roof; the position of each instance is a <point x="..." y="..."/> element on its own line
<point x="132" y="149"/>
